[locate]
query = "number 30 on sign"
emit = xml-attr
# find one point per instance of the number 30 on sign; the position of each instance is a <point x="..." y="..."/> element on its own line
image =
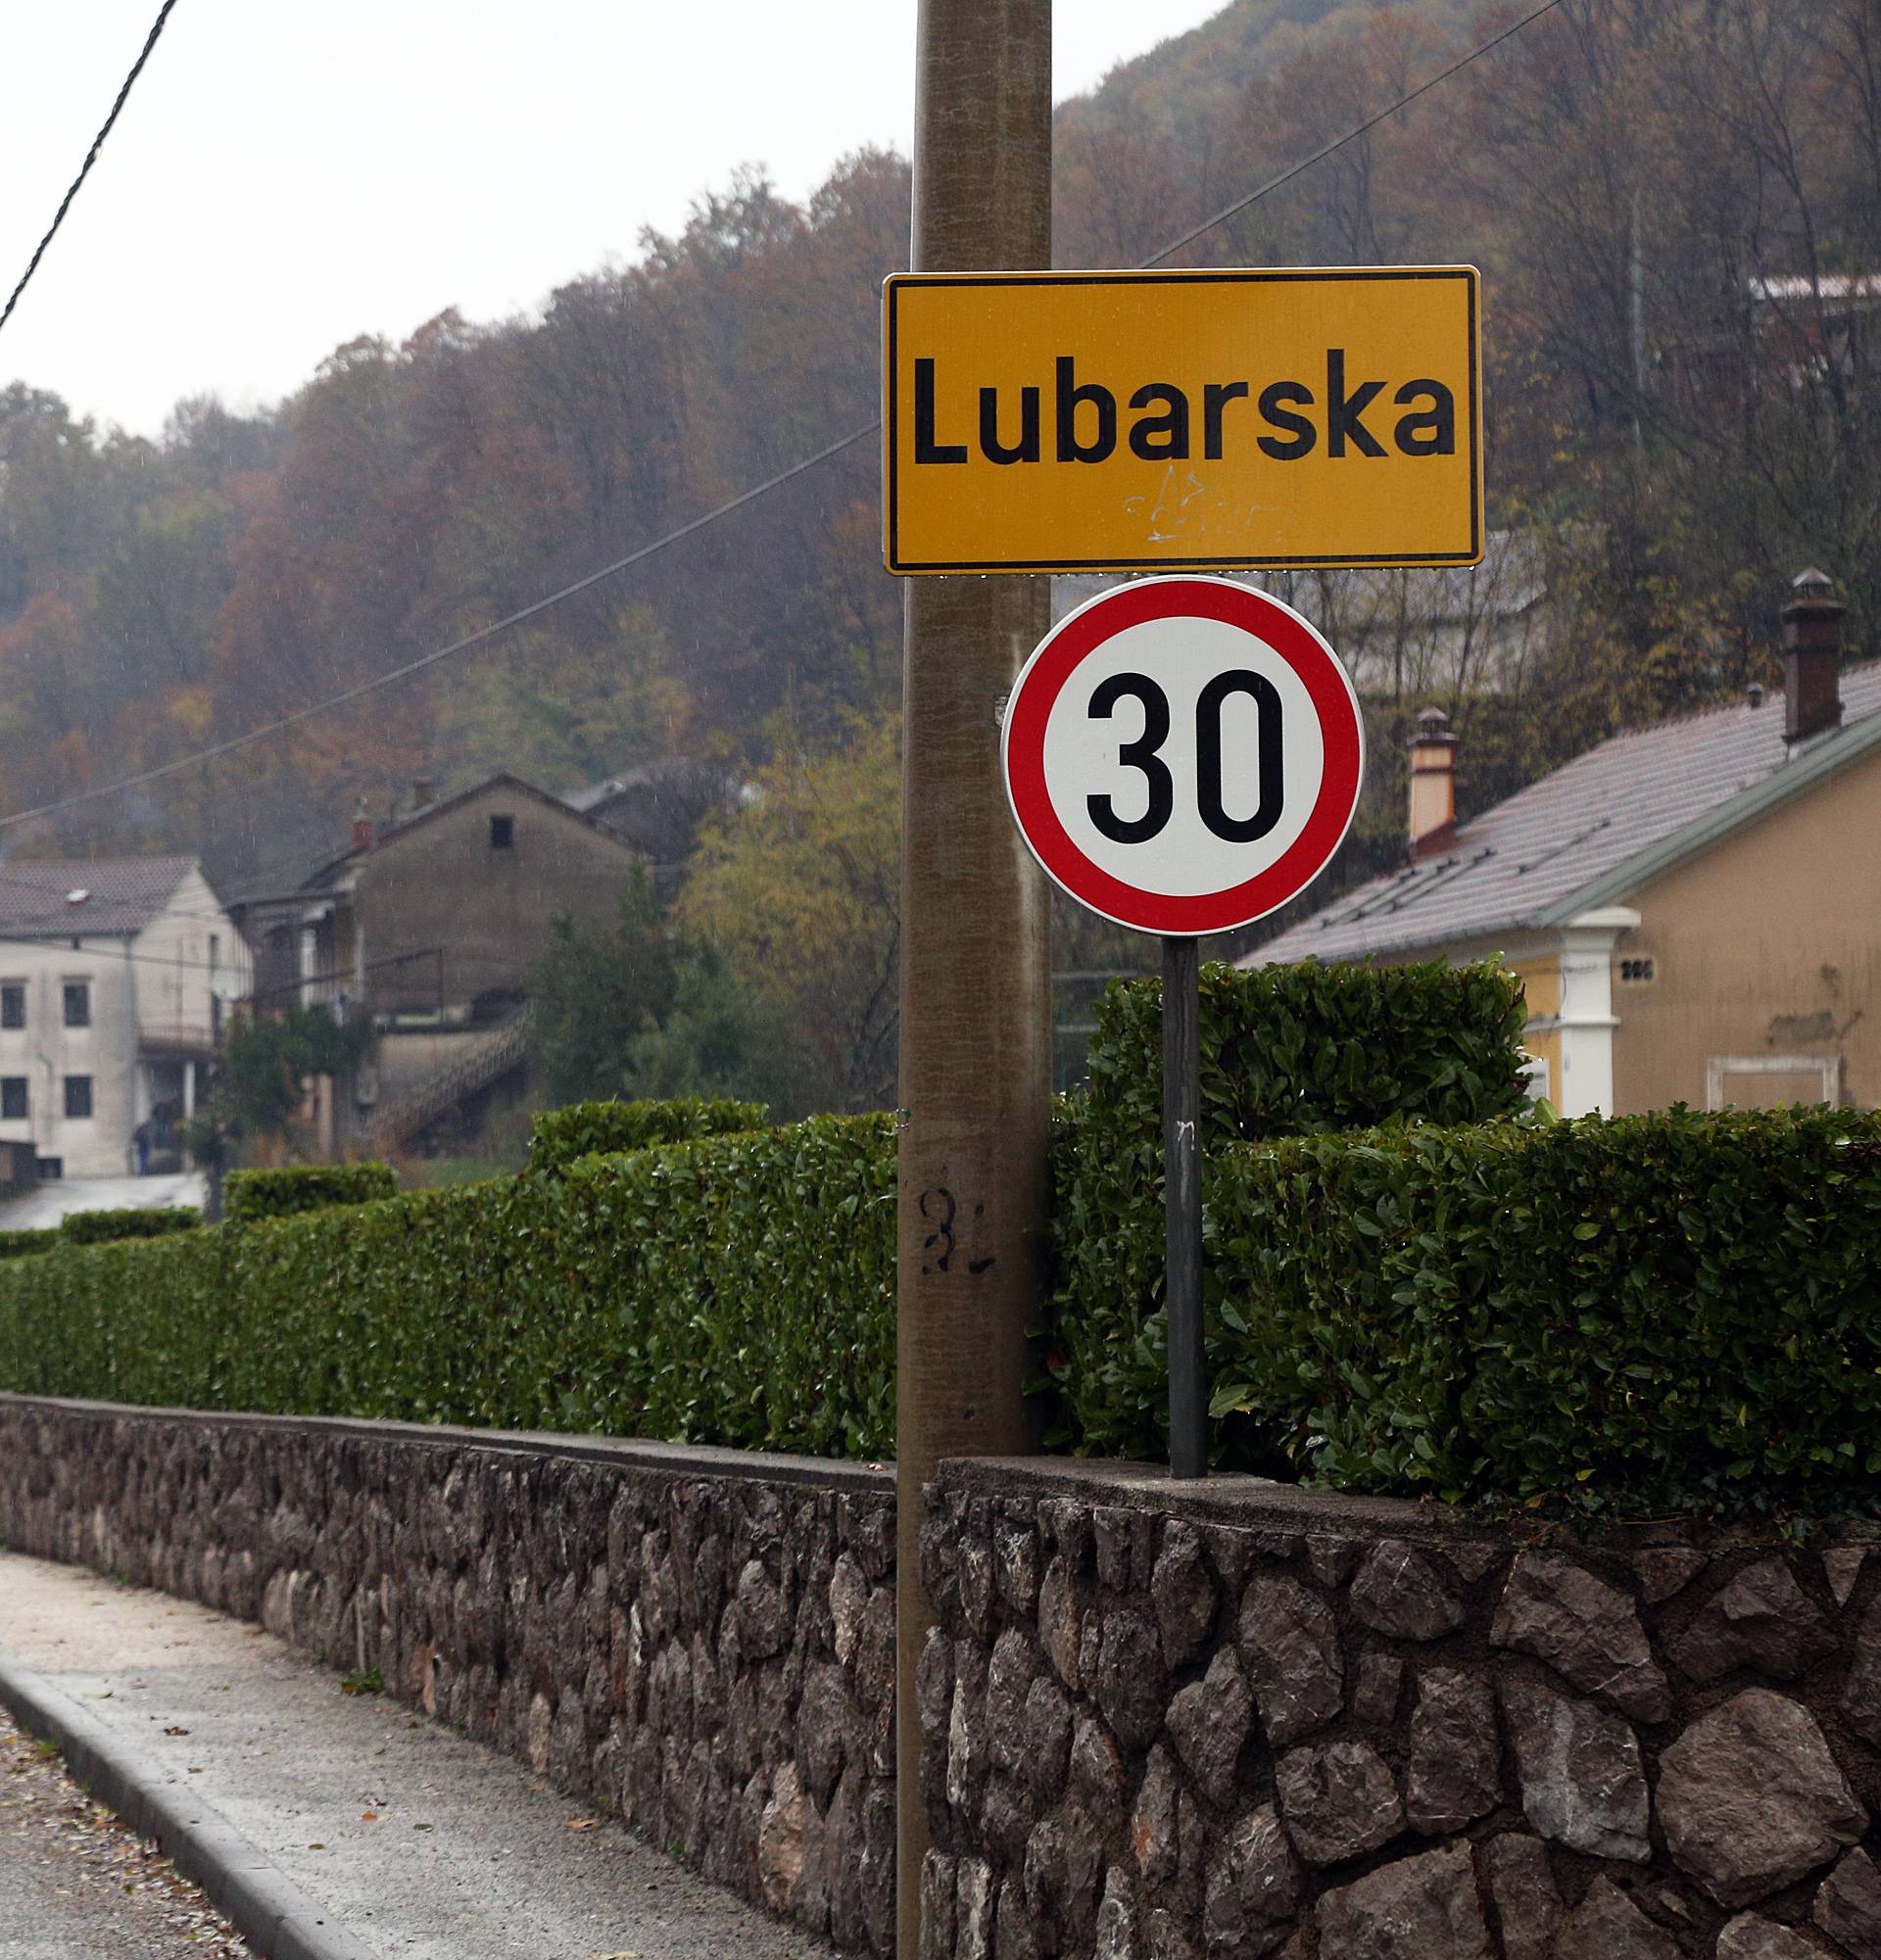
<point x="1184" y="755"/>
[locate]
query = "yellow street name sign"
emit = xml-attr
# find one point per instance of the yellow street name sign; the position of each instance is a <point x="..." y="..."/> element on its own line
<point x="1109" y="421"/>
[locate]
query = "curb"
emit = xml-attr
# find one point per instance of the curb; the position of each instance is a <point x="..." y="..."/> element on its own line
<point x="278" y="1919"/>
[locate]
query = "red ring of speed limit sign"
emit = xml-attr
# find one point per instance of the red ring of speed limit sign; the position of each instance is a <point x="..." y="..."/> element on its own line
<point x="1184" y="755"/>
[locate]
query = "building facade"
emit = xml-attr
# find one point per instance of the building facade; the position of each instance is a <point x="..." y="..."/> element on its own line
<point x="1694" y="908"/>
<point x="116" y="977"/>
<point x="442" y="915"/>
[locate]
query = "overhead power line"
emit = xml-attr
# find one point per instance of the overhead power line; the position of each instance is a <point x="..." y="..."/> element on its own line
<point x="484" y="635"/>
<point x="1352" y="135"/>
<point x="91" y="157"/>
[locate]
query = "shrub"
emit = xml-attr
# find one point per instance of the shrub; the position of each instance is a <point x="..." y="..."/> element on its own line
<point x="734" y="1289"/>
<point x="98" y="1227"/>
<point x="1284" y="1050"/>
<point x="1666" y="1311"/>
<point x="18" y="1244"/>
<point x="304" y="1187"/>
<point x="557" y="1137"/>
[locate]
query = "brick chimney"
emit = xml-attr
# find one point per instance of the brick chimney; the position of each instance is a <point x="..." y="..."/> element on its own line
<point x="1811" y="659"/>
<point x="1433" y="786"/>
<point x="362" y="826"/>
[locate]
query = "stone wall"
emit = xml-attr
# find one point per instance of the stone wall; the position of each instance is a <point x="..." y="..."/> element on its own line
<point x="702" y="1641"/>
<point x="1186" y="1722"/>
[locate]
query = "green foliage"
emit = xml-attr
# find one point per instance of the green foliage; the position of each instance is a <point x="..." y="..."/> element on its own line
<point x="559" y="1137"/>
<point x="597" y="996"/>
<point x="264" y="1060"/>
<point x="304" y="1187"/>
<point x="1284" y="1050"/>
<point x="22" y="1244"/>
<point x="728" y="1289"/>
<point x="721" y="1037"/>
<point x="100" y="1227"/>
<point x="1674" y="1309"/>
<point x="1289" y="1049"/>
<point x="800" y="891"/>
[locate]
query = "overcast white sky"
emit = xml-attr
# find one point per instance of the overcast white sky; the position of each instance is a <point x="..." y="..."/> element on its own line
<point x="287" y="176"/>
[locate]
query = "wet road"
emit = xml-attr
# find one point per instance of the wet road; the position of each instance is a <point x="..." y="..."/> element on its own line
<point x="75" y="1884"/>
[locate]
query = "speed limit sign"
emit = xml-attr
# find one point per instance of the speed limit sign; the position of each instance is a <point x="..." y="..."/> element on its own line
<point x="1183" y="756"/>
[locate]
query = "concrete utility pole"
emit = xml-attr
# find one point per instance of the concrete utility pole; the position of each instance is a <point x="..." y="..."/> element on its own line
<point x="976" y="978"/>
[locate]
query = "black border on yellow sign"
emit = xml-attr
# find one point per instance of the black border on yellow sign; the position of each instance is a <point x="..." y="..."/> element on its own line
<point x="898" y="282"/>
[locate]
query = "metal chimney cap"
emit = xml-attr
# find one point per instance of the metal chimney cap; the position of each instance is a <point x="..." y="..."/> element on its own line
<point x="1432" y="718"/>
<point x="1813" y="584"/>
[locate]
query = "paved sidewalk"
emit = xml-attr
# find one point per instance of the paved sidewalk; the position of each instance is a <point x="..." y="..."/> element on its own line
<point x="75" y="1883"/>
<point x="404" y="1842"/>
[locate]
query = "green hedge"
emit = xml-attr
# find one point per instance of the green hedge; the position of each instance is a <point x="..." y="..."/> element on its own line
<point x="734" y="1289"/>
<point x="100" y="1227"/>
<point x="559" y="1137"/>
<point x="19" y="1244"/>
<point x="304" y="1187"/>
<point x="1678" y="1309"/>
<point x="1284" y="1050"/>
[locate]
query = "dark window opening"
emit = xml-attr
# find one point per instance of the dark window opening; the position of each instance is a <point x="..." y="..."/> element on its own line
<point x="12" y="1005"/>
<point x="78" y="1095"/>
<point x="13" y="1099"/>
<point x="50" y="1168"/>
<point x="503" y="832"/>
<point x="77" y="1003"/>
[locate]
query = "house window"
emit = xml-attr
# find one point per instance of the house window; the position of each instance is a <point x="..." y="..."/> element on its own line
<point x="13" y="1099"/>
<point x="78" y="1095"/>
<point x="503" y="832"/>
<point x="77" y="1003"/>
<point x="1771" y="1081"/>
<point x="13" y="1004"/>
<point x="51" y="1167"/>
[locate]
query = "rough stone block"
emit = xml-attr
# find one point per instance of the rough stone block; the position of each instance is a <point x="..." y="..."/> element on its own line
<point x="1417" y="1908"/>
<point x="1454" y="1775"/>
<point x="1210" y="1721"/>
<point x="1582" y="1782"/>
<point x="1129" y="1683"/>
<point x="1750" y="1938"/>
<point x="1585" y="1630"/>
<point x="1290" y="1649"/>
<point x="1401" y="1591"/>
<point x="1183" y="1592"/>
<point x="1338" y="1801"/>
<point x="1760" y="1618"/>
<point x="1254" y="1888"/>
<point x="1848" y="1905"/>
<point x="1522" y="1887"/>
<point x="1750" y="1799"/>
<point x="1607" y="1925"/>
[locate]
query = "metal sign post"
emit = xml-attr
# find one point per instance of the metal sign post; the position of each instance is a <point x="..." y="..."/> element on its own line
<point x="1182" y="1206"/>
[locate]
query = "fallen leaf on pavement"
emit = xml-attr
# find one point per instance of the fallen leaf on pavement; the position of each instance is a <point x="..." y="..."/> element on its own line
<point x="579" y="1823"/>
<point x="173" y="1730"/>
<point x="368" y="1816"/>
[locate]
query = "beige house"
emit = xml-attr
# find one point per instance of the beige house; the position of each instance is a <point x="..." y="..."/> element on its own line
<point x="1694" y="908"/>
<point x="116" y="975"/>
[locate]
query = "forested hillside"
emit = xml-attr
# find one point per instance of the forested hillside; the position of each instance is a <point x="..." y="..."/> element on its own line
<point x="1677" y="205"/>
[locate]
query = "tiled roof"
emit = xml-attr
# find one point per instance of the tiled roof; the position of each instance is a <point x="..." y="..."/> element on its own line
<point x="1564" y="843"/>
<point x="123" y="894"/>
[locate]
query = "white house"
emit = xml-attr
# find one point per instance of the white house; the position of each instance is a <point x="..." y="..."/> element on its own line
<point x="115" y="979"/>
